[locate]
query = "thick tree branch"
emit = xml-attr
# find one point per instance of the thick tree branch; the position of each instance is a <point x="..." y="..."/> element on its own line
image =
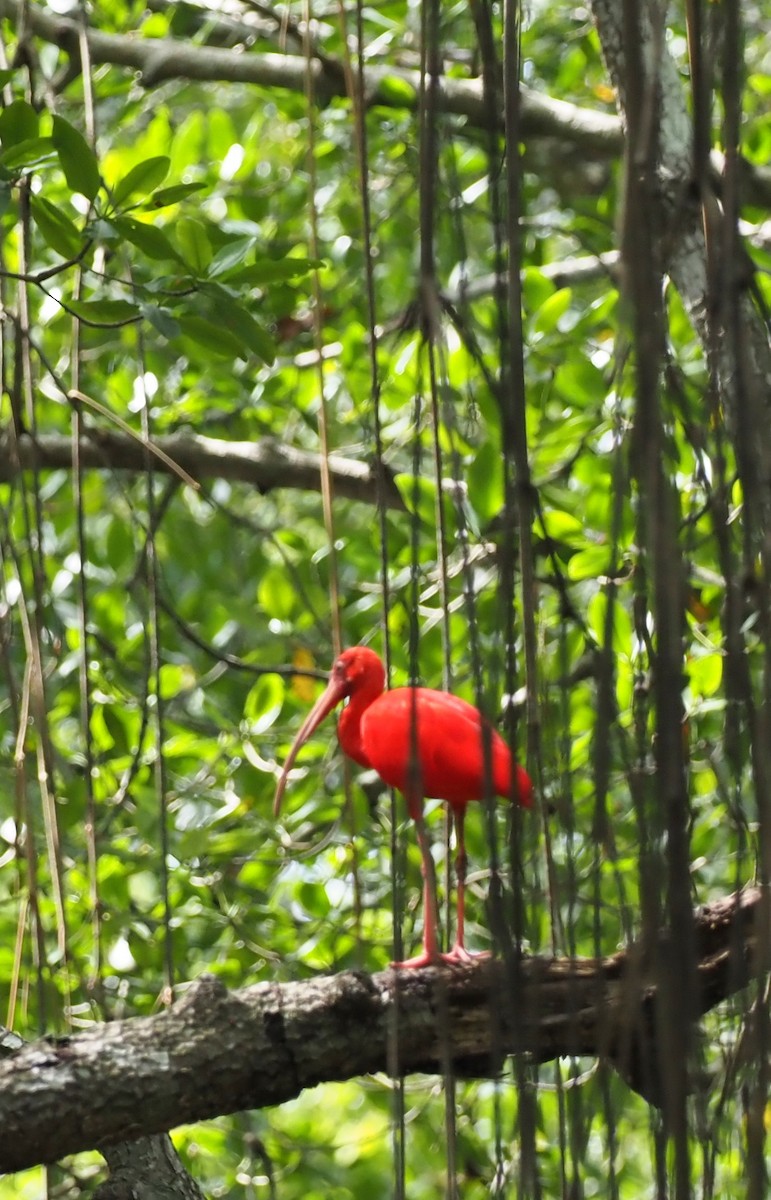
<point x="265" y="464"/>
<point x="571" y="272"/>
<point x="589" y="131"/>
<point x="147" y="1169"/>
<point x="217" y="1052"/>
<point x="159" y="59"/>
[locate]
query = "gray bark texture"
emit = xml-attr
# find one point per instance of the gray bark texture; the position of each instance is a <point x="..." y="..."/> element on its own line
<point x="216" y="1052"/>
<point x="264" y="464"/>
<point x="147" y="1169"/>
<point x="700" y="249"/>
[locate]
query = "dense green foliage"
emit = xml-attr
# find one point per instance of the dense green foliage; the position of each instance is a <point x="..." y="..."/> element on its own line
<point x="171" y="275"/>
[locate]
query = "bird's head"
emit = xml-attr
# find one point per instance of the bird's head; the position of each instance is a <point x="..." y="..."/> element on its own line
<point x="357" y="669"/>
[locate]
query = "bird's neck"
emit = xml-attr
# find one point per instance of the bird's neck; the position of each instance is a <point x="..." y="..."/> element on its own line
<point x="349" y="730"/>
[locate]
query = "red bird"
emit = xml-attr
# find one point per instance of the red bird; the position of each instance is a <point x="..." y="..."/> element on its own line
<point x="425" y="743"/>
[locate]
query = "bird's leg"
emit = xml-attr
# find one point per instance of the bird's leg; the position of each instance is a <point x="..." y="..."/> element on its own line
<point x="430" y="899"/>
<point x="459" y="953"/>
<point x="431" y="952"/>
<point x="461" y="861"/>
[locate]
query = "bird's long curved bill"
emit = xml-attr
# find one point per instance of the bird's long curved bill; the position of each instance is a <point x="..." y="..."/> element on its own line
<point x="328" y="700"/>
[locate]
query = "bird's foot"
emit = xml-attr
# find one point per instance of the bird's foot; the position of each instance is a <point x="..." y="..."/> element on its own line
<point x="458" y="956"/>
<point x="420" y="960"/>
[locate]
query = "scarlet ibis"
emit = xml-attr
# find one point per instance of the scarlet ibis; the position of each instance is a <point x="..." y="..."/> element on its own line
<point x="426" y="743"/>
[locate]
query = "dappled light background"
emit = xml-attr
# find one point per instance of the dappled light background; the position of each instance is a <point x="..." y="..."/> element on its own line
<point x="300" y="295"/>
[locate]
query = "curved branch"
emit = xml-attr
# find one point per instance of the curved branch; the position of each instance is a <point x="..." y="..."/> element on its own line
<point x="217" y="1052"/>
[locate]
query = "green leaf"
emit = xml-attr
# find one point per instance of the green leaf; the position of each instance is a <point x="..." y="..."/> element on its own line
<point x="28" y="153"/>
<point x="393" y="90"/>
<point x="313" y="899"/>
<point x="172" y="195"/>
<point x="162" y="320"/>
<point x="419" y="495"/>
<point x="264" y="703"/>
<point x="564" y="527"/>
<point x="590" y="563"/>
<point x="194" y="244"/>
<point x="78" y="160"/>
<point x="230" y="256"/>
<point x="580" y="382"/>
<point x="176" y="678"/>
<point x="210" y="336"/>
<point x="58" y="231"/>
<point x="182" y="745"/>
<point x="18" y="123"/>
<point x="760" y="83"/>
<point x="705" y="673"/>
<point x="546" y="318"/>
<point x="622" y="625"/>
<point x="141" y="179"/>
<point x="103" y="731"/>
<point x="119" y="543"/>
<point x="275" y="594"/>
<point x="485" y="482"/>
<point x="171" y="286"/>
<point x="147" y="238"/>
<point x="253" y="337"/>
<point x="105" y="313"/>
<point x="536" y="288"/>
<point x="269" y="270"/>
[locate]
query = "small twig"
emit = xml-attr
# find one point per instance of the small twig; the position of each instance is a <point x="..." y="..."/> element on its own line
<point x="232" y="660"/>
<point x="75" y="396"/>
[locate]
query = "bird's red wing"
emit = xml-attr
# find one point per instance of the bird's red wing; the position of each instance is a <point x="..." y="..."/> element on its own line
<point x="450" y="740"/>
